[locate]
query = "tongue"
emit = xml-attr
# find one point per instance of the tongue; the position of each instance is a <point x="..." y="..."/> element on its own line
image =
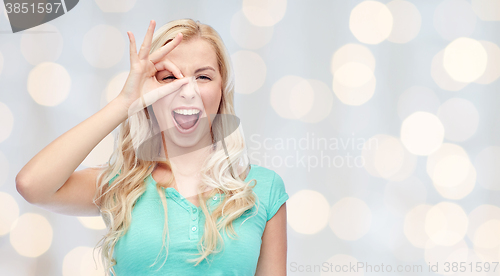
<point x="185" y="121"/>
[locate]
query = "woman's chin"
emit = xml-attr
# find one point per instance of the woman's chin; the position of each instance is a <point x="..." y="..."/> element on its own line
<point x="193" y="141"/>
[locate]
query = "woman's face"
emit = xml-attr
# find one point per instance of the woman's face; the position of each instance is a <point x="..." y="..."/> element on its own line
<point x="182" y="115"/>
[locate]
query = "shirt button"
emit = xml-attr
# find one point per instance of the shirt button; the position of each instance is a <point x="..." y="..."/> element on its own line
<point x="193" y="218"/>
<point x="194" y="228"/>
<point x="194" y="210"/>
<point x="215" y="198"/>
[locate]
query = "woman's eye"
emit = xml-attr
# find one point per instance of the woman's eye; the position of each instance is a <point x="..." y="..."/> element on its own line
<point x="205" y="77"/>
<point x="169" y="78"/>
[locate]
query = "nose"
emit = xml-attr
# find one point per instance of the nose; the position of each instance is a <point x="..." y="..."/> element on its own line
<point x="188" y="91"/>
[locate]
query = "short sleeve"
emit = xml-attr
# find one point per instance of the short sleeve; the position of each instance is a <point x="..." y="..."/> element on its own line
<point x="277" y="196"/>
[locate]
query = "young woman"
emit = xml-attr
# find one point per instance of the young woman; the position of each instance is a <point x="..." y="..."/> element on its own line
<point x="178" y="195"/>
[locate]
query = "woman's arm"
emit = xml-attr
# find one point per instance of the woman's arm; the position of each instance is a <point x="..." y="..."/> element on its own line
<point x="51" y="169"/>
<point x="273" y="251"/>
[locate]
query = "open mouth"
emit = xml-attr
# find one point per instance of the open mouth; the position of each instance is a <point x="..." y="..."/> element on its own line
<point x="186" y="119"/>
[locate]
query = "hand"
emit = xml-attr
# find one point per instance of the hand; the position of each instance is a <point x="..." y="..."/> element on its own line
<point x="142" y="88"/>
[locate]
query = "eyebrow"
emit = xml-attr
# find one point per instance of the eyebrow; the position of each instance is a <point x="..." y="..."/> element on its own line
<point x="204" y="68"/>
<point x="197" y="70"/>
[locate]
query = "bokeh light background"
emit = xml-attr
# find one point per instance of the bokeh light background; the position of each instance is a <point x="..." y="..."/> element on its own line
<point x="381" y="117"/>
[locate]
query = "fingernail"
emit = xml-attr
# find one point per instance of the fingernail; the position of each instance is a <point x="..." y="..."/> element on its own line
<point x="181" y="75"/>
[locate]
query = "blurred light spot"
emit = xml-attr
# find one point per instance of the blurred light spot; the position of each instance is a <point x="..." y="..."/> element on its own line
<point x="487" y="163"/>
<point x="460" y="119"/>
<point x="400" y="197"/>
<point x="49" y="84"/>
<point x="9" y="212"/>
<point x="422" y="133"/>
<point x="248" y="35"/>
<point x="4" y="167"/>
<point x="478" y="219"/>
<point x="417" y="98"/>
<point x="301" y="99"/>
<point x="322" y="105"/>
<point x="445" y="150"/>
<point x="446" y="223"/>
<point x="95" y="223"/>
<point x="46" y="47"/>
<point x="82" y="261"/>
<point x="6" y="123"/>
<point x="264" y="12"/>
<point x="389" y="156"/>
<point x="353" y="74"/>
<point x="249" y="71"/>
<point x="371" y="22"/>
<point x="115" y="5"/>
<point x="492" y="72"/>
<point x="441" y="254"/>
<point x="72" y="262"/>
<point x="462" y="189"/>
<point x="465" y="59"/>
<point x="91" y="264"/>
<point x="350" y="218"/>
<point x="451" y="171"/>
<point x="441" y="77"/>
<point x="487" y="10"/>
<point x="414" y="227"/>
<point x="292" y="97"/>
<point x="487" y="254"/>
<point x="103" y="46"/>
<point x="407" y="21"/>
<point x="31" y="235"/>
<point x="307" y="212"/>
<point x="488" y="234"/>
<point x="340" y="264"/>
<point x="454" y="18"/>
<point x="354" y="96"/>
<point x="101" y="153"/>
<point x="116" y="85"/>
<point x="352" y="67"/>
<point x="352" y="53"/>
<point x="453" y="187"/>
<point x="386" y="157"/>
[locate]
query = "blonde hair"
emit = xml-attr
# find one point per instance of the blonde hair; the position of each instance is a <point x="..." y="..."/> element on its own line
<point x="119" y="198"/>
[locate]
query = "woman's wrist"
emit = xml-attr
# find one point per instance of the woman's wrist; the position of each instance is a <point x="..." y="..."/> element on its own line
<point x="121" y="107"/>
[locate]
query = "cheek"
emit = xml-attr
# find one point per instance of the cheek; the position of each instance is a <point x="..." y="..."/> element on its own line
<point x="211" y="97"/>
<point x="160" y="109"/>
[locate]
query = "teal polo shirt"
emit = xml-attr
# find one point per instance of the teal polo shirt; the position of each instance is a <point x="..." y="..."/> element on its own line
<point x="139" y="247"/>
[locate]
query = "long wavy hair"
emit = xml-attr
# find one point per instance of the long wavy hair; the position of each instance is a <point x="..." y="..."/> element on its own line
<point x="119" y="198"/>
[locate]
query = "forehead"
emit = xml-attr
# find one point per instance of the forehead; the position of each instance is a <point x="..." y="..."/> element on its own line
<point x="193" y="54"/>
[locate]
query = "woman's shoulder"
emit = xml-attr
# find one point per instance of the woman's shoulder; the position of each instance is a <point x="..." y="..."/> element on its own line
<point x="266" y="178"/>
<point x="262" y="173"/>
<point x="270" y="188"/>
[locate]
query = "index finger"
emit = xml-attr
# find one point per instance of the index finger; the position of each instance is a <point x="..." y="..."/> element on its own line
<point x="165" y="49"/>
